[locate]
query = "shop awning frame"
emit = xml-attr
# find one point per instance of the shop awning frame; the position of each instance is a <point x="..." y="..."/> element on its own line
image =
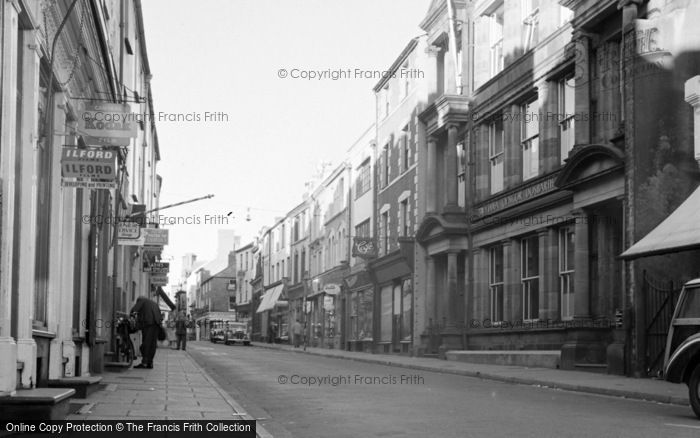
<point x="680" y="231"/>
<point x="270" y="299"/>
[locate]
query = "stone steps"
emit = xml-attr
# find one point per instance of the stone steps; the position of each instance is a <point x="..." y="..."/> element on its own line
<point x="39" y="404"/>
<point x="83" y="385"/>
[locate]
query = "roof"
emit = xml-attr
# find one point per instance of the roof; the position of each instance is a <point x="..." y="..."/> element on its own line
<point x="680" y="231"/>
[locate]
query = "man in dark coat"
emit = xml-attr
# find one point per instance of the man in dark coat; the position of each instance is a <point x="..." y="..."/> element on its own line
<point x="149" y="319"/>
<point x="181" y="329"/>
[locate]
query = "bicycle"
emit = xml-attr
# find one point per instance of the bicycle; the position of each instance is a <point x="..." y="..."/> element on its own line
<point x="124" y="347"/>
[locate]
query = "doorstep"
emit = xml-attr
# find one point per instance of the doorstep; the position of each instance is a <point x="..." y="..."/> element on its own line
<point x="36" y="404"/>
<point x="83" y="386"/>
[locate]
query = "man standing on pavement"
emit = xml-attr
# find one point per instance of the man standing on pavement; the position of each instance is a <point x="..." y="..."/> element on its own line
<point x="149" y="320"/>
<point x="181" y="330"/>
<point x="296" y="332"/>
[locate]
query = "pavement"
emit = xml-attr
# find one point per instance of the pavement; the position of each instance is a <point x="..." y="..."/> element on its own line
<point x="176" y="388"/>
<point x="578" y="381"/>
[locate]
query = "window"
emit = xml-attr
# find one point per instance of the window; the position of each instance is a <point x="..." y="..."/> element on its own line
<point x="232" y="302"/>
<point x="405" y="221"/>
<point x="363" y="181"/>
<point x="495" y="139"/>
<point x="496" y="40"/>
<point x="385" y="100"/>
<point x="403" y="74"/>
<point x="461" y="174"/>
<point x="385" y="232"/>
<point x="386" y="313"/>
<point x="567" y="93"/>
<point x="405" y="151"/>
<point x="385" y="164"/>
<point x="496" y="283"/>
<point x="529" y="134"/>
<point x="362" y="229"/>
<point x="530" y="277"/>
<point x="531" y="12"/>
<point x="282" y="236"/>
<point x="566" y="272"/>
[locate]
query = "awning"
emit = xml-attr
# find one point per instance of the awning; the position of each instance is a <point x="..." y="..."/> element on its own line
<point x="680" y="231"/>
<point x="166" y="298"/>
<point x="270" y="298"/>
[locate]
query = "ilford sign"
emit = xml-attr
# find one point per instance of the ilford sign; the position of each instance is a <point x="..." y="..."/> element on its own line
<point x="518" y="197"/>
<point x="88" y="163"/>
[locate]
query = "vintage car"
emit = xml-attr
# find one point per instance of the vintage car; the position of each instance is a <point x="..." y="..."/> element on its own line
<point x="216" y="335"/>
<point x="237" y="332"/>
<point x="682" y="356"/>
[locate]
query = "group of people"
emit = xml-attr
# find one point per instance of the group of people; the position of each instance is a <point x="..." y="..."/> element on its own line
<point x="150" y="321"/>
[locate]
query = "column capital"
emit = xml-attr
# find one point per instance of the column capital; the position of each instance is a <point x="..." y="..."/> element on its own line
<point x="542" y="232"/>
<point x="451" y="125"/>
<point x="432" y="139"/>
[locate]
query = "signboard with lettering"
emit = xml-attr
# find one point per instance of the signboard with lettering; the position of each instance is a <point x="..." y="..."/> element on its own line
<point x="155" y="236"/>
<point x="364" y="247"/>
<point x="332" y="289"/>
<point x="128" y="230"/>
<point x="518" y="197"/>
<point x="156" y="267"/>
<point x="159" y="279"/>
<point x="93" y="163"/>
<point x="107" y="120"/>
<point x="89" y="184"/>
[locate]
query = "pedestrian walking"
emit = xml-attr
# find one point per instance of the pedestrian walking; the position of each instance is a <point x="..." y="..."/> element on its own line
<point x="181" y="330"/>
<point x="297" y="333"/>
<point x="149" y="321"/>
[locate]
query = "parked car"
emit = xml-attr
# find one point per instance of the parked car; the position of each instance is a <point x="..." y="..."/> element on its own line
<point x="216" y="335"/>
<point x="682" y="355"/>
<point x="237" y="332"/>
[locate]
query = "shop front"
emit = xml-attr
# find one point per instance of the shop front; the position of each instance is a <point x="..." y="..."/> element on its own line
<point x="393" y="301"/>
<point x="273" y="314"/>
<point x="325" y="309"/>
<point x="359" y="311"/>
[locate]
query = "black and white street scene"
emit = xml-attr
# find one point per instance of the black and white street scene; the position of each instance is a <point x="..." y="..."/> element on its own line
<point x="367" y="218"/>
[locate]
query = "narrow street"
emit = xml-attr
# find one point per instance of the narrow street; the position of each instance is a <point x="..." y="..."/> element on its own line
<point x="426" y="404"/>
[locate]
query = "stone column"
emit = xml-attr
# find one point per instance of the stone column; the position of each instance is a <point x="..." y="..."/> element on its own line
<point x="549" y="274"/>
<point x="582" y="300"/>
<point x="692" y="96"/>
<point x="26" y="347"/>
<point x="511" y="281"/>
<point x="431" y="195"/>
<point x="450" y="174"/>
<point x="8" y="63"/>
<point x="431" y="74"/>
<point x="430" y="305"/>
<point x="453" y="302"/>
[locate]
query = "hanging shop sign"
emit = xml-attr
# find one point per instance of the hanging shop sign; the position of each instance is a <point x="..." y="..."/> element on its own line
<point x="107" y="120"/>
<point x="364" y="247"/>
<point x="107" y="141"/>
<point x="332" y="289"/>
<point x="155" y="236"/>
<point x="328" y="303"/>
<point x="128" y="230"/>
<point x="159" y="267"/>
<point x="159" y="279"/>
<point x="89" y="168"/>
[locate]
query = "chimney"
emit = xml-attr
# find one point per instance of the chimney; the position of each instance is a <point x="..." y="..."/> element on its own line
<point x="231" y="258"/>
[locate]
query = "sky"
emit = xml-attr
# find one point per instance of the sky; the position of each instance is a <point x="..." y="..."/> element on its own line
<point x="267" y="134"/>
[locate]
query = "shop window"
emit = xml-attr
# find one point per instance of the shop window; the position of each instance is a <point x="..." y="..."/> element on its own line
<point x="529" y="134"/>
<point x="366" y="313"/>
<point x="566" y="271"/>
<point x="567" y="109"/>
<point x="496" y="283"/>
<point x="407" y="301"/>
<point x="354" y="320"/>
<point x="385" y="325"/>
<point x="530" y="277"/>
<point x="495" y="139"/>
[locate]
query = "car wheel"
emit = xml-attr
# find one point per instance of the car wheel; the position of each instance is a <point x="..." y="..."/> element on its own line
<point x="694" y="390"/>
<point x="246" y="344"/>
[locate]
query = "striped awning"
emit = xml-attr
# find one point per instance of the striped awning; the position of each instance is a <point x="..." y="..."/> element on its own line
<point x="270" y="298"/>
